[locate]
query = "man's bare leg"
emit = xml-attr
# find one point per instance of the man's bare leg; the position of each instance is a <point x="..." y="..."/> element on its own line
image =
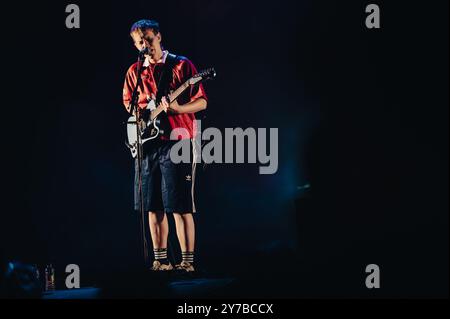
<point x="159" y="230"/>
<point x="186" y="235"/>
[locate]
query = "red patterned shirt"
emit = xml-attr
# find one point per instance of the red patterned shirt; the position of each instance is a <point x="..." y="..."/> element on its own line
<point x="151" y="73"/>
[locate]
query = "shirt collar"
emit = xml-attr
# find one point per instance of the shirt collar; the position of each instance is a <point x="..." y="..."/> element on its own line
<point x="162" y="60"/>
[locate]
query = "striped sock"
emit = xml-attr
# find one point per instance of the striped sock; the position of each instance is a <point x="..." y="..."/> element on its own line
<point x="188" y="256"/>
<point x="161" y="255"/>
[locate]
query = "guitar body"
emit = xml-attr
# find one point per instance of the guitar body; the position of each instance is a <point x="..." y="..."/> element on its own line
<point x="153" y="122"/>
<point x="150" y="128"/>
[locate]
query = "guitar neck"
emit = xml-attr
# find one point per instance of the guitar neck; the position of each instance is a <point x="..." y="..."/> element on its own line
<point x="175" y="94"/>
<point x="172" y="97"/>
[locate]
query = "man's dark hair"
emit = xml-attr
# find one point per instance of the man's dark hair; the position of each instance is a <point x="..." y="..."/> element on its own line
<point x="145" y="25"/>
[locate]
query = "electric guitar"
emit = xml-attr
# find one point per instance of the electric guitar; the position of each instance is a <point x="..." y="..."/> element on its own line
<point x="149" y="121"/>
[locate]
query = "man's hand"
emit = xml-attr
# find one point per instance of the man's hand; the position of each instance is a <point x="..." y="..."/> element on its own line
<point x="191" y="107"/>
<point x="171" y="107"/>
<point x="175" y="107"/>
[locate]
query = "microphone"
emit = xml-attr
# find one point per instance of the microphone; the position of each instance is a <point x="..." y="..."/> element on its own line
<point x="144" y="51"/>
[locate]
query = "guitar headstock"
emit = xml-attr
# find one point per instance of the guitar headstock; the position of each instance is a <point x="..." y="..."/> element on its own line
<point x="202" y="76"/>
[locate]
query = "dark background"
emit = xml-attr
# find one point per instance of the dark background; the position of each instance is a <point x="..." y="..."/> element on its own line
<point x="362" y="117"/>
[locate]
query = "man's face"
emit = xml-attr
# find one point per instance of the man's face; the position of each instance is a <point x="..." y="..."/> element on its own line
<point x="147" y="39"/>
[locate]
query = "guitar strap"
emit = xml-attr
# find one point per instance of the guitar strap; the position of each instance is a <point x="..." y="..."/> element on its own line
<point x="163" y="85"/>
<point x="163" y="89"/>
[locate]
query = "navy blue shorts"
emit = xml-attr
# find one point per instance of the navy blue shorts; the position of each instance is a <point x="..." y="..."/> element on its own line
<point x="166" y="186"/>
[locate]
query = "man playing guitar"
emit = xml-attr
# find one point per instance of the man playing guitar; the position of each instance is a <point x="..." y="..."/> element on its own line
<point x="167" y="187"/>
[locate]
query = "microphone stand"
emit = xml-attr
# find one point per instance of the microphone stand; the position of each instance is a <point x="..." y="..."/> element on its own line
<point x="134" y="107"/>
